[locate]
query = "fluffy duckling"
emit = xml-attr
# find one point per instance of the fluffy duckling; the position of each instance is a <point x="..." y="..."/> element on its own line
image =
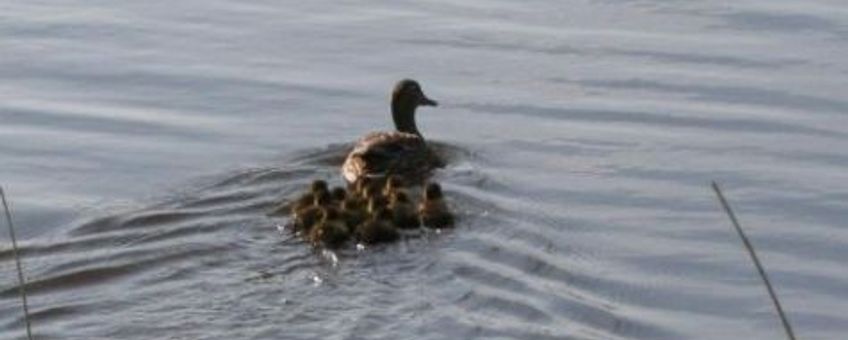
<point x="319" y="185"/>
<point x="304" y="202"/>
<point x="306" y="218"/>
<point x="358" y="188"/>
<point x="338" y="195"/>
<point x="372" y="191"/>
<point x="403" y="211"/>
<point x="378" y="229"/>
<point x="393" y="184"/>
<point x="331" y="231"/>
<point x="354" y="212"/>
<point x="375" y="204"/>
<point x="433" y="210"/>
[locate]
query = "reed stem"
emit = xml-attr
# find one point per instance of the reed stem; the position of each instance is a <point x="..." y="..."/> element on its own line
<point x="21" y="281"/>
<point x="788" y="328"/>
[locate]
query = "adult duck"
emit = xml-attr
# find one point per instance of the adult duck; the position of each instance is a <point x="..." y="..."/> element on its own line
<point x="403" y="152"/>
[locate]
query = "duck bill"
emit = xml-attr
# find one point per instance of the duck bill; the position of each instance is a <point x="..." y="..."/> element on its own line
<point x="424" y="101"/>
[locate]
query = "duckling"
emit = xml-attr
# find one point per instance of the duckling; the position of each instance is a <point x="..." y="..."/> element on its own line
<point x="354" y="212"/>
<point x="331" y="231"/>
<point x="433" y="210"/>
<point x="338" y="195"/>
<point x="403" y="211"/>
<point x="393" y="184"/>
<point x="306" y="218"/>
<point x="357" y="188"/>
<point x="319" y="185"/>
<point x="304" y="202"/>
<point x="378" y="229"/>
<point x="376" y="203"/>
<point x="403" y="151"/>
<point x="372" y="191"/>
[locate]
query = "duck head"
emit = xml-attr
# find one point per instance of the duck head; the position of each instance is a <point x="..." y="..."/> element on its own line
<point x="406" y="97"/>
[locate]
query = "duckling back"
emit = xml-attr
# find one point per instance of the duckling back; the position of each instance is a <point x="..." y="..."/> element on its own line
<point x="403" y="211"/>
<point x="433" y="210"/>
<point x="378" y="229"/>
<point x="331" y="231"/>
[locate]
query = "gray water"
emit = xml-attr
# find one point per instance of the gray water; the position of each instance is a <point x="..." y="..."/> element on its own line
<point x="142" y="142"/>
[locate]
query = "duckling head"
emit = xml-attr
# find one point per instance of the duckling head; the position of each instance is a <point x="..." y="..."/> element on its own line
<point x="318" y="185"/>
<point x="338" y="194"/>
<point x="433" y="191"/>
<point x="406" y="97"/>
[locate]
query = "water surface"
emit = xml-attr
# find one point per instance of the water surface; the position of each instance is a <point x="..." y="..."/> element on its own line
<point x="141" y="144"/>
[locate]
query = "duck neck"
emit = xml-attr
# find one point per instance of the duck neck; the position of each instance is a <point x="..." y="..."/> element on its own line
<point x="404" y="116"/>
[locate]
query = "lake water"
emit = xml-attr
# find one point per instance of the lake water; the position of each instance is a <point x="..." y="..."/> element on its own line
<point x="142" y="142"/>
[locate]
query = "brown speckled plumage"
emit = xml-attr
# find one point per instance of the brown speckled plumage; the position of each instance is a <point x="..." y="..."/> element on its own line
<point x="403" y="152"/>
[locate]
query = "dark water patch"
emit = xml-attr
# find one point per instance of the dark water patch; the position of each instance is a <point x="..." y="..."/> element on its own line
<point x="42" y="316"/>
<point x="69" y="275"/>
<point x="499" y="302"/>
<point x="71" y="245"/>
<point x="138" y="220"/>
<point x="181" y="233"/>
